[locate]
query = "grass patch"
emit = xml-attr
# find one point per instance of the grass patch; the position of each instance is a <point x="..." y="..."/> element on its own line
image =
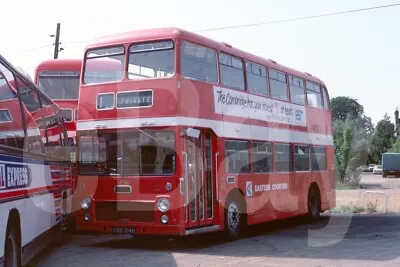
<point x="341" y="186"/>
<point x="371" y="208"/>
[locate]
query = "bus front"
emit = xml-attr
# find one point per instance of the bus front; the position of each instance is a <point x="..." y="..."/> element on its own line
<point x="59" y="79"/>
<point x="129" y="179"/>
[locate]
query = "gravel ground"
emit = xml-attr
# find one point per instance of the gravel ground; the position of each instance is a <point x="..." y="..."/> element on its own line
<point x="369" y="182"/>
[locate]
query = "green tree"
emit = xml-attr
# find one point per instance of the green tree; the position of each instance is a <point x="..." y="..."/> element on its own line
<point x="396" y="146"/>
<point x="352" y="134"/>
<point x="367" y="125"/>
<point x="351" y="150"/>
<point x="344" y="107"/>
<point x="343" y="139"/>
<point x="383" y="138"/>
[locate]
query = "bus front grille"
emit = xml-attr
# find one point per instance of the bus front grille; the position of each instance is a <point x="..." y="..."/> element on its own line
<point x="122" y="210"/>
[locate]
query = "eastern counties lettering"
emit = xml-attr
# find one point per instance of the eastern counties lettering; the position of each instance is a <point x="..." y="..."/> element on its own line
<point x="269" y="187"/>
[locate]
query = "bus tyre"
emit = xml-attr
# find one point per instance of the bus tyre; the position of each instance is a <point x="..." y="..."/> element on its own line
<point x="313" y="204"/>
<point x="234" y="218"/>
<point x="12" y="251"/>
<point x="383" y="175"/>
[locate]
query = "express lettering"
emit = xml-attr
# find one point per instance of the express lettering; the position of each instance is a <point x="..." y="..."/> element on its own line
<point x="16" y="176"/>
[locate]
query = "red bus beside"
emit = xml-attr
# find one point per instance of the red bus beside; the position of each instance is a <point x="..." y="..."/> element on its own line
<point x="59" y="79"/>
<point x="190" y="135"/>
<point x="35" y="171"/>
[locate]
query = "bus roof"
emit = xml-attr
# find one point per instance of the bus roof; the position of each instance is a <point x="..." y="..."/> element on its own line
<point x="25" y="79"/>
<point x="60" y="64"/>
<point x="166" y="33"/>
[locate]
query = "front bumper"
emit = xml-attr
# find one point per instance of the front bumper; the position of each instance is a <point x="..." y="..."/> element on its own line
<point x="140" y="228"/>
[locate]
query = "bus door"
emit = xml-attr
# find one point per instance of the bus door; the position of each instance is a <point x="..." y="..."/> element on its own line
<point x="199" y="151"/>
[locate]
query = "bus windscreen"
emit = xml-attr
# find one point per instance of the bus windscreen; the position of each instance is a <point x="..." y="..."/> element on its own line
<point x="61" y="85"/>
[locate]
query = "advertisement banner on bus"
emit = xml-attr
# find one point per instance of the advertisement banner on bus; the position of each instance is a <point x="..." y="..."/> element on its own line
<point x="238" y="104"/>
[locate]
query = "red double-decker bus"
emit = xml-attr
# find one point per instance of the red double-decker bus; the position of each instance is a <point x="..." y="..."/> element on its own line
<point x="189" y="135"/>
<point x="59" y="79"/>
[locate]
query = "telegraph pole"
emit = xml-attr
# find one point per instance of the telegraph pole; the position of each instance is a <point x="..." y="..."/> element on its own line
<point x="57" y="42"/>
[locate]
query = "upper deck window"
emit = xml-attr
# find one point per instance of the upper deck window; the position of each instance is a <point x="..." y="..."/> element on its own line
<point x="314" y="95"/>
<point x="278" y="84"/>
<point x="297" y="92"/>
<point x="59" y="84"/>
<point x="104" y="65"/>
<point x="199" y="62"/>
<point x="325" y="98"/>
<point x="256" y="78"/>
<point x="151" y="60"/>
<point x="7" y="73"/>
<point x="231" y="69"/>
<point x="5" y="90"/>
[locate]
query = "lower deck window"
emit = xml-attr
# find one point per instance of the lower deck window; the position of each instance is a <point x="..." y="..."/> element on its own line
<point x="302" y="158"/>
<point x="128" y="153"/>
<point x="318" y="158"/>
<point x="236" y="156"/>
<point x="283" y="158"/>
<point x="261" y="157"/>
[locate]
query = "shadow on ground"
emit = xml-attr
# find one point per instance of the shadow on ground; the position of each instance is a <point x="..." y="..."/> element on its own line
<point x="364" y="237"/>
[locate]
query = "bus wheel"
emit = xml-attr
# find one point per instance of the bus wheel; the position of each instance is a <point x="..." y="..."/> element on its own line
<point x="234" y="218"/>
<point x="313" y="204"/>
<point x="13" y="248"/>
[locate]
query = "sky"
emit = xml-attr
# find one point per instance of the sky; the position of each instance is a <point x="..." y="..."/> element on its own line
<point x="356" y="54"/>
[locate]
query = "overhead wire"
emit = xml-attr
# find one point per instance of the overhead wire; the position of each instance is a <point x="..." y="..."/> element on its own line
<point x="35" y="48"/>
<point x="259" y="23"/>
<point x="300" y="18"/>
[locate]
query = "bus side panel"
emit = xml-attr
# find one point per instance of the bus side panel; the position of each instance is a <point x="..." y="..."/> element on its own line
<point x="328" y="182"/>
<point x="36" y="208"/>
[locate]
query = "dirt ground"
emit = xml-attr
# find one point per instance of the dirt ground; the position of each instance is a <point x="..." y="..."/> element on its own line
<point x="338" y="239"/>
<point x="376" y="190"/>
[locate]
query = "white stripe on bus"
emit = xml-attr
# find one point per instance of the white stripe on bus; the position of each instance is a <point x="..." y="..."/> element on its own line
<point x="17" y="133"/>
<point x="221" y="128"/>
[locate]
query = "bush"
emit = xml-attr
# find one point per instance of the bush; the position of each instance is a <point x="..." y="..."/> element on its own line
<point x="353" y="177"/>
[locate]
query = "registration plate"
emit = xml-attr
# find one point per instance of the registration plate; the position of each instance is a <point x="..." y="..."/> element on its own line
<point x="121" y="230"/>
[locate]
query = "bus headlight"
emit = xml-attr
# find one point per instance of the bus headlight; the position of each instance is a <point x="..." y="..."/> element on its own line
<point x="86" y="217"/>
<point x="164" y="219"/>
<point x="163" y="204"/>
<point x="85" y="204"/>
